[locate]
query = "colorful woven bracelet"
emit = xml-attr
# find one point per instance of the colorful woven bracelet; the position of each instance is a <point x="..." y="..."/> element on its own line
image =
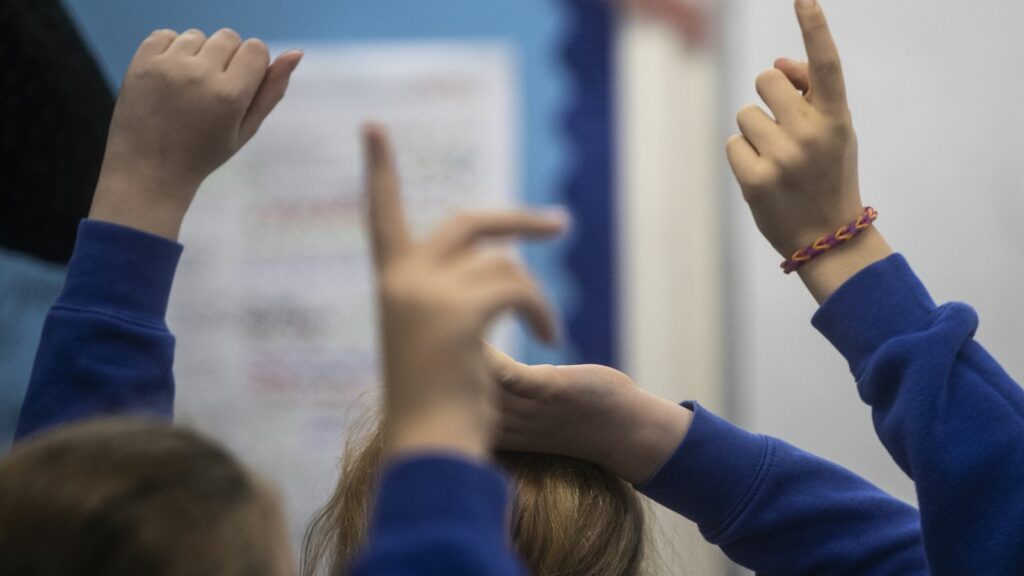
<point x="826" y="243"/>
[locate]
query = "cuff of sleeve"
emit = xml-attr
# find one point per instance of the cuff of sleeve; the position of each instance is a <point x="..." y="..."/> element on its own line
<point x="121" y="270"/>
<point x="877" y="304"/>
<point x="419" y="493"/>
<point x="713" y="474"/>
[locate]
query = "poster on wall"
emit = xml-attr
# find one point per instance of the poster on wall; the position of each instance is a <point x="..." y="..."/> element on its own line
<point x="273" y="304"/>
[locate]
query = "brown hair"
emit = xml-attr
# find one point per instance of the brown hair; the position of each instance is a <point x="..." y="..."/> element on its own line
<point x="119" y="497"/>
<point x="568" y="518"/>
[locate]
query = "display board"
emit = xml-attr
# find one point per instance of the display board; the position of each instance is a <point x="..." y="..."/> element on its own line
<point x="273" y="305"/>
<point x="490" y="103"/>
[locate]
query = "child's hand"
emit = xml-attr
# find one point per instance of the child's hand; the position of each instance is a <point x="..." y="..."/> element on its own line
<point x="437" y="298"/>
<point x="592" y="413"/>
<point x="798" y="170"/>
<point x="187" y="104"/>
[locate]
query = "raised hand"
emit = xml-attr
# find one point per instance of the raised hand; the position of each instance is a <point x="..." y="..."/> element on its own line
<point x="187" y="104"/>
<point x="588" y="412"/>
<point x="437" y="299"/>
<point x="798" y="166"/>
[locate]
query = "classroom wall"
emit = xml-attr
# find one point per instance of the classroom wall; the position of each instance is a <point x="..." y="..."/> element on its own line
<point x="669" y="218"/>
<point x="935" y="89"/>
<point x="301" y="456"/>
<point x="707" y="314"/>
<point x="532" y="29"/>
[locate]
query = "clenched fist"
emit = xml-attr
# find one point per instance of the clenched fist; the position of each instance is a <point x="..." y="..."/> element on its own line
<point x="187" y="104"/>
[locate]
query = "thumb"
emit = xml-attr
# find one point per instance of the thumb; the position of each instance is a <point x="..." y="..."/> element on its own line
<point x="798" y="73"/>
<point x="270" y="92"/>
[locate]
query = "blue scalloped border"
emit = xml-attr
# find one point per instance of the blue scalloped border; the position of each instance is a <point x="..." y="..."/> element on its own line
<point x="589" y="122"/>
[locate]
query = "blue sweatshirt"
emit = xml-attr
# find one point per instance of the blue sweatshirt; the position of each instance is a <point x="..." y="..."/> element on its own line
<point x="771" y="507"/>
<point x="944" y="409"/>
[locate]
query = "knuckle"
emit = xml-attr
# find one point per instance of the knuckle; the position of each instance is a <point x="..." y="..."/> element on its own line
<point x="192" y="76"/>
<point x="814" y="22"/>
<point x="761" y="180"/>
<point x="807" y="137"/>
<point x="227" y="94"/>
<point x="747" y="110"/>
<point x="229" y="33"/>
<point x="791" y="158"/>
<point x="258" y="47"/>
<point x="549" y="373"/>
<point x="829" y="69"/>
<point x="841" y="128"/>
<point x="163" y="33"/>
<point x="766" y="79"/>
<point x="747" y="113"/>
<point x="508" y="376"/>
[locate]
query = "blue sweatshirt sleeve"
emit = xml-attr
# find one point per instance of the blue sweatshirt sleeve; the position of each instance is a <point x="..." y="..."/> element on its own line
<point x="105" y="347"/>
<point x="439" y="516"/>
<point x="944" y="409"/>
<point x="778" y="510"/>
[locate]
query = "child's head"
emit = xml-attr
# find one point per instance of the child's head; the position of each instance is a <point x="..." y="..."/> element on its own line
<point x="127" y="497"/>
<point x="568" y="517"/>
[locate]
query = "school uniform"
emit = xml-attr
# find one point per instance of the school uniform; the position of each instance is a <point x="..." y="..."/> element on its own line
<point x="770" y="506"/>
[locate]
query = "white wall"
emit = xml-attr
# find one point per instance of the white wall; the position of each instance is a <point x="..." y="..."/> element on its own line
<point x="936" y="90"/>
<point x="669" y="214"/>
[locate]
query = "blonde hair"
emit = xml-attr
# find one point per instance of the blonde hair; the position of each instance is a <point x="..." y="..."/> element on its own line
<point x="124" y="497"/>
<point x="568" y="517"/>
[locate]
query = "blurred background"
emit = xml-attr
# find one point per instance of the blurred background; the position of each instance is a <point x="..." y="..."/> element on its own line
<point x="617" y="110"/>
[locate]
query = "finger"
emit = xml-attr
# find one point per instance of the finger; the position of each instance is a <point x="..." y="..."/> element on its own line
<point x="519" y="379"/>
<point x="463" y="231"/>
<point x="270" y="92"/>
<point x="221" y="47"/>
<point x="248" y="68"/>
<point x="523" y="295"/>
<point x="785" y="102"/>
<point x="796" y="72"/>
<point x="155" y="44"/>
<point x="485" y="267"/>
<point x="388" y="232"/>
<point x="758" y="127"/>
<point x="503" y="368"/>
<point x="743" y="158"/>
<point x="188" y="43"/>
<point x="826" y="71"/>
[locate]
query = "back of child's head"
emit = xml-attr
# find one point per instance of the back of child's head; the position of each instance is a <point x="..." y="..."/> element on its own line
<point x="118" y="497"/>
<point x="567" y="517"/>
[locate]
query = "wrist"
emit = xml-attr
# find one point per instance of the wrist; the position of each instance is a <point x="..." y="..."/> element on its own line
<point x="464" y="432"/>
<point x="824" y="275"/>
<point x="152" y="204"/>
<point x="652" y="433"/>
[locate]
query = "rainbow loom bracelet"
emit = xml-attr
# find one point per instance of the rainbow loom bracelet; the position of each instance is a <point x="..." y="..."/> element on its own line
<point x="826" y="243"/>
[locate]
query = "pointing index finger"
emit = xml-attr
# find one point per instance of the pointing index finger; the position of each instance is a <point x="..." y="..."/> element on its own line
<point x="387" y="217"/>
<point x="826" y="69"/>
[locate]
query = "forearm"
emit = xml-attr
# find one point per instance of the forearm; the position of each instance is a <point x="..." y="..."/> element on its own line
<point x="649" y="436"/>
<point x="948" y="414"/>
<point x="149" y="202"/>
<point x="775" y="509"/>
<point x="105" y="348"/>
